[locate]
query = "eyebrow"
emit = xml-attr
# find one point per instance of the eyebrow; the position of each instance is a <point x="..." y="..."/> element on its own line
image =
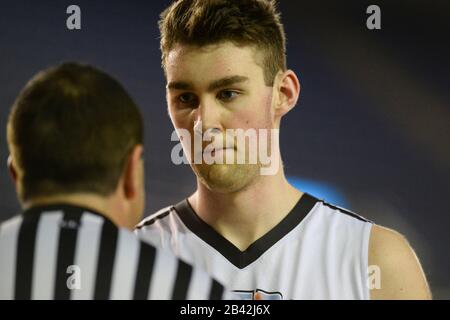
<point x="216" y="84"/>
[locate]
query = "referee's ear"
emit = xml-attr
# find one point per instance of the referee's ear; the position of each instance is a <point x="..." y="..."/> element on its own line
<point x="133" y="173"/>
<point x="12" y="169"/>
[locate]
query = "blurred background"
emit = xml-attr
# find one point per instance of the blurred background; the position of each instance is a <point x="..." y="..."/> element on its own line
<point x="370" y="132"/>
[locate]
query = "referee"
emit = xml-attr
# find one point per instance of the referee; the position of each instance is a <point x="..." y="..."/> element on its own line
<point x="75" y="140"/>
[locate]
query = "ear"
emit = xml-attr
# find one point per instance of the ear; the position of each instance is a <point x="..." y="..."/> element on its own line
<point x="288" y="91"/>
<point x="132" y="172"/>
<point x="12" y="170"/>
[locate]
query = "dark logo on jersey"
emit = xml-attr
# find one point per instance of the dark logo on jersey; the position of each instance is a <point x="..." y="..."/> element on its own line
<point x="258" y="294"/>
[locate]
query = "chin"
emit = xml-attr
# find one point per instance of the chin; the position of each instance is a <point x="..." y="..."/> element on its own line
<point x="227" y="178"/>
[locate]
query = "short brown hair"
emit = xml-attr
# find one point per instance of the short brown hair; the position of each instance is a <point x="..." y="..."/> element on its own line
<point x="70" y="130"/>
<point x="243" y="22"/>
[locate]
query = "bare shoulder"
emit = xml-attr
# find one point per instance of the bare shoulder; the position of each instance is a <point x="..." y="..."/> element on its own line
<point x="401" y="274"/>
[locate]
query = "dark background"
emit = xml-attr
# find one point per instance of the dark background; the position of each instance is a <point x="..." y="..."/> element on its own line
<point x="371" y="130"/>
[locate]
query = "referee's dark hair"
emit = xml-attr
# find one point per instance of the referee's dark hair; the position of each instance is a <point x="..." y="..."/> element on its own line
<point x="70" y="130"/>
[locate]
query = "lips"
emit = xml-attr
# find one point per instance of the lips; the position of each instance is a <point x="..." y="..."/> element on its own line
<point x="214" y="151"/>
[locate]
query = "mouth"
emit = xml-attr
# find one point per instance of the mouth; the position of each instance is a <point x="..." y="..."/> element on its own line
<point x="217" y="151"/>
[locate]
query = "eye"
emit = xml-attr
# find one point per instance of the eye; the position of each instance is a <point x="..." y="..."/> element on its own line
<point x="227" y="95"/>
<point x="187" y="98"/>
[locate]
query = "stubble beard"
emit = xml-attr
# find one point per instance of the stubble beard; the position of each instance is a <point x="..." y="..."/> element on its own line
<point x="226" y="178"/>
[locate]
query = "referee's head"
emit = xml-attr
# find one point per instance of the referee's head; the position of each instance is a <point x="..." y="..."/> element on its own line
<point x="74" y="133"/>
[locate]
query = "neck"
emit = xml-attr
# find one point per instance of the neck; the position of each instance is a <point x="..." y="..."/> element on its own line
<point x="109" y="206"/>
<point x="244" y="216"/>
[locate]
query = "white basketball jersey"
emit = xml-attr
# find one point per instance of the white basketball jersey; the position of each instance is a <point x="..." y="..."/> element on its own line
<point x="318" y="251"/>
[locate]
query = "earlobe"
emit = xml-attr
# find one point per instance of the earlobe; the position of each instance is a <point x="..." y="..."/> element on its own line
<point x="12" y="169"/>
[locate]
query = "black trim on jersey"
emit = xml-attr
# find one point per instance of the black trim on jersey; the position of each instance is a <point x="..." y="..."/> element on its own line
<point x="152" y="221"/>
<point x="25" y="256"/>
<point x="239" y="258"/>
<point x="106" y="257"/>
<point x="344" y="211"/>
<point x="68" y="235"/>
<point x="144" y="273"/>
<point x="184" y="272"/>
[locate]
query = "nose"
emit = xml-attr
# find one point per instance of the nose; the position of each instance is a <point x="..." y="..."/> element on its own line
<point x="208" y="117"/>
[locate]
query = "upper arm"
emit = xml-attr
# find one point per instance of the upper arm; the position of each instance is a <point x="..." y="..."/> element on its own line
<point x="401" y="275"/>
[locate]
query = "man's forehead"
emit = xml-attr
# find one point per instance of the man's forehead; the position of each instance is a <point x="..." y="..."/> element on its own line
<point x="211" y="63"/>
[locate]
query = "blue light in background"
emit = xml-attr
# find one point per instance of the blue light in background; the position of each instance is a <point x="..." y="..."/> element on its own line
<point x="320" y="190"/>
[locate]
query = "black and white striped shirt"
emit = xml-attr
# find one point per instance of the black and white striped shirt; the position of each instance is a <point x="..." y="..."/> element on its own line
<point x="67" y="252"/>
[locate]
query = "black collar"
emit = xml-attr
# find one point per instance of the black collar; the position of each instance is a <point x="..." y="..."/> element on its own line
<point x="239" y="258"/>
<point x="70" y="211"/>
